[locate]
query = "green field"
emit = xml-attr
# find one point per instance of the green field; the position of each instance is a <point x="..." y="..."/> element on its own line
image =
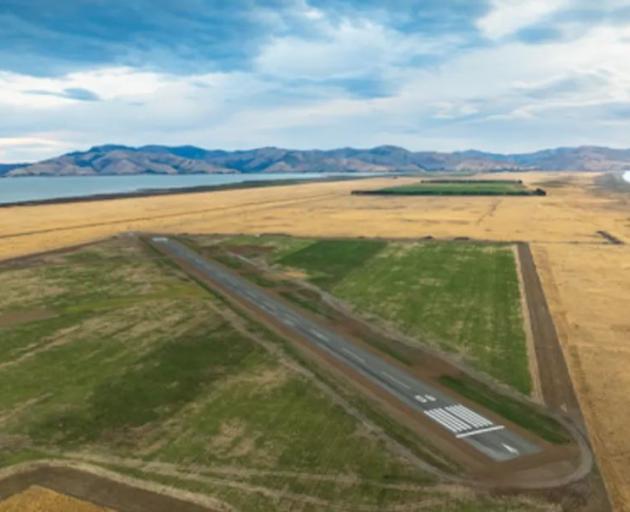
<point x="134" y="363"/>
<point x="461" y="297"/>
<point x="329" y="261"/>
<point x="458" y="188"/>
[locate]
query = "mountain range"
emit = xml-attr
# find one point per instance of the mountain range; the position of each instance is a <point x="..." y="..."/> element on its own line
<point x="113" y="159"/>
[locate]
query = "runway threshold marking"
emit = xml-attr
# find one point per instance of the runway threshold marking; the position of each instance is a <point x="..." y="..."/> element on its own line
<point x="445" y="421"/>
<point x="480" y="431"/>
<point x="444" y="418"/>
<point x="470" y="416"/>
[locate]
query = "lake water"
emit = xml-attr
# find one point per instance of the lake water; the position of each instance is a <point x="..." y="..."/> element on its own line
<point x="626" y="176"/>
<point x="35" y="188"/>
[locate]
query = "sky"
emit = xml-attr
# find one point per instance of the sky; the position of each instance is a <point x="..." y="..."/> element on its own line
<point x="495" y="75"/>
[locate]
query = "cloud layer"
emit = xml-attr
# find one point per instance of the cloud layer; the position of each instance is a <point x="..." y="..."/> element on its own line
<point x="506" y="75"/>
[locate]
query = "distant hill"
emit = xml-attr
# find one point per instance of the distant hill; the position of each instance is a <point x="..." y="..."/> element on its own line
<point x="122" y="160"/>
<point x="6" y="168"/>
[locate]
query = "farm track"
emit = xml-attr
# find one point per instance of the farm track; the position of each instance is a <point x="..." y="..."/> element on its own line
<point x="99" y="487"/>
<point x="557" y="388"/>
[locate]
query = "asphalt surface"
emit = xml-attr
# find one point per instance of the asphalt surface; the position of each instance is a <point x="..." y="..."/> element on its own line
<point x="493" y="440"/>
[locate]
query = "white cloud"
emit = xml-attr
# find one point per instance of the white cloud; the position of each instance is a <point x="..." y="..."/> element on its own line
<point x="346" y="49"/>
<point x="24" y="149"/>
<point x="509" y="16"/>
<point x="507" y="96"/>
<point x="107" y="83"/>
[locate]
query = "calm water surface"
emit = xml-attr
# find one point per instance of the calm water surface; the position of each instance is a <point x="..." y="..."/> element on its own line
<point x="34" y="188"/>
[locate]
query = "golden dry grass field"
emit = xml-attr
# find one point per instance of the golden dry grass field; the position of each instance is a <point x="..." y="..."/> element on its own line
<point x="40" y="499"/>
<point x="587" y="281"/>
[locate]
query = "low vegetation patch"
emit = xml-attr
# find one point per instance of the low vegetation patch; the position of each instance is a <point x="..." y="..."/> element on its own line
<point x="458" y="188"/>
<point x="329" y="261"/>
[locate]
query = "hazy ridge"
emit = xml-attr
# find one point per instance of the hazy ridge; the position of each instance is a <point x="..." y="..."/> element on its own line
<point x="123" y="160"/>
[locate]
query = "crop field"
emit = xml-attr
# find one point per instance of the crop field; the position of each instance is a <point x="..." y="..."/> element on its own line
<point x="137" y="369"/>
<point x="40" y="499"/>
<point x="456" y="188"/>
<point x="461" y="297"/>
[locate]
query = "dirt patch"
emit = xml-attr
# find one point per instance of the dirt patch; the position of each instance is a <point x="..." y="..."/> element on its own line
<point x="8" y="415"/>
<point x="22" y="317"/>
<point x="294" y="274"/>
<point x="610" y="238"/>
<point x="24" y="288"/>
<point x="229" y="433"/>
<point x="248" y="251"/>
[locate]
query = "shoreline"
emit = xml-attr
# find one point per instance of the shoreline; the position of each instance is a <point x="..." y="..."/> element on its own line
<point x="151" y="192"/>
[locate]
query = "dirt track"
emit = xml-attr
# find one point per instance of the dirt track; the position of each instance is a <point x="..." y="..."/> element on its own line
<point x="96" y="489"/>
<point x="557" y="388"/>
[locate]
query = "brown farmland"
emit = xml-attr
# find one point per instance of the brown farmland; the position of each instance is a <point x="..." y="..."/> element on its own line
<point x="585" y="277"/>
<point x="40" y="499"/>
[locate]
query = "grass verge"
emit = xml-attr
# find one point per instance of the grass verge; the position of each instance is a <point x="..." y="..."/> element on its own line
<point x="517" y="412"/>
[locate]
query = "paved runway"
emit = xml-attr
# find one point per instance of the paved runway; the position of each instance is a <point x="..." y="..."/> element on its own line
<point x="494" y="440"/>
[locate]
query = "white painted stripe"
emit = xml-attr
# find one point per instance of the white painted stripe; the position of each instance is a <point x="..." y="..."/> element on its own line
<point x="444" y="417"/>
<point x="394" y="379"/>
<point x="446" y="420"/>
<point x="436" y="418"/>
<point x="352" y="354"/>
<point x="461" y="425"/>
<point x="481" y="431"/>
<point x="321" y="336"/>
<point x="474" y="422"/>
<point x="469" y="416"/>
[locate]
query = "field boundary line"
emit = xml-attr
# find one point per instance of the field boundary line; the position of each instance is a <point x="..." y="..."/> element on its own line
<point x="105" y="488"/>
<point x="532" y="359"/>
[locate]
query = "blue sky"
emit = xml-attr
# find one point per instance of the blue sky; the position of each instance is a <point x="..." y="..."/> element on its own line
<point x="498" y="75"/>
